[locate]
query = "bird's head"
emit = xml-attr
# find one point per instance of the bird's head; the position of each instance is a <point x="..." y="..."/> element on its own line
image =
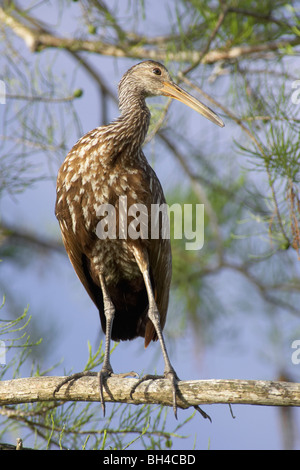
<point x="151" y="78"/>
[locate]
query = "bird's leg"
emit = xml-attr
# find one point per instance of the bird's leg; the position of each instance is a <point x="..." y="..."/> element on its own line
<point x="109" y="312"/>
<point x="154" y="316"/>
<point x="169" y="372"/>
<point x="106" y="368"/>
<point x="107" y="371"/>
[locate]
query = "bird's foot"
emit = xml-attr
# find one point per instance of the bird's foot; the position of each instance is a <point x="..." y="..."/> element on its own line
<point x="104" y="374"/>
<point x="71" y="378"/>
<point x="173" y="378"/>
<point x="205" y="415"/>
<point x="169" y="375"/>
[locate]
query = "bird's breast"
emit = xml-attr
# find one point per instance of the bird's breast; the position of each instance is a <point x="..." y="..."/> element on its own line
<point x="94" y="200"/>
<point x="114" y="260"/>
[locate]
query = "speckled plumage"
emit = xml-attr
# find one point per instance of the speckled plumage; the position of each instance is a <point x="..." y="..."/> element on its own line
<point x="103" y="165"/>
<point x="127" y="279"/>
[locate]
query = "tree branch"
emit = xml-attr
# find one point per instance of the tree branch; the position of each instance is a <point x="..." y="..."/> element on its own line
<point x="14" y="236"/>
<point x="37" y="39"/>
<point x="190" y="393"/>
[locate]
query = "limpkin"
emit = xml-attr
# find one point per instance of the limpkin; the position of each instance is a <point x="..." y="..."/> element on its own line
<point x="127" y="279"/>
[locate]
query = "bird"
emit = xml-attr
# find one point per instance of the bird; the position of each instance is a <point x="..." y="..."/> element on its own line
<point x="127" y="278"/>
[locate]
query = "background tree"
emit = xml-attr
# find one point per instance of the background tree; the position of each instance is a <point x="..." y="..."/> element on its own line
<point x="60" y="64"/>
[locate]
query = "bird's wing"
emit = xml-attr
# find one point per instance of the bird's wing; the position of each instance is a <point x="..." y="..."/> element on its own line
<point x="80" y="262"/>
<point x="160" y="261"/>
<point x="76" y="237"/>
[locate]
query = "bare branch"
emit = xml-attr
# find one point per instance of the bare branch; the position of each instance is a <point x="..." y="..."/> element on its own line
<point x="210" y="40"/>
<point x="12" y="235"/>
<point x="190" y="393"/>
<point x="37" y="40"/>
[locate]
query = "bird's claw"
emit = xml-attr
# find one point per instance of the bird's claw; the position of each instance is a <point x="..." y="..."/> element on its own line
<point x="173" y="378"/>
<point x="104" y="374"/>
<point x="169" y="375"/>
<point x="71" y="378"/>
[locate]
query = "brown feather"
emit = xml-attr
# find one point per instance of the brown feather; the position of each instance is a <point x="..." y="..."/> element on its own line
<point x="128" y="278"/>
<point x="101" y="167"/>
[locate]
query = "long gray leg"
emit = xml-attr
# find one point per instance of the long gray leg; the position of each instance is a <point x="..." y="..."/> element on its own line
<point x="169" y="371"/>
<point x="109" y="312"/>
<point x="154" y="316"/>
<point x="106" y="371"/>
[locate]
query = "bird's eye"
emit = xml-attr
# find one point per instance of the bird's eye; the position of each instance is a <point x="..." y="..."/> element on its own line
<point x="157" y="71"/>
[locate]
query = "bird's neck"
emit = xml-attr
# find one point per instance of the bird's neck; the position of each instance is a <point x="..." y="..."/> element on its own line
<point x="132" y="125"/>
<point x="135" y="118"/>
<point x="125" y="136"/>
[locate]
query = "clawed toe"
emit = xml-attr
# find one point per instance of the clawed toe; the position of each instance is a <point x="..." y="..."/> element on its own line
<point x="71" y="378"/>
<point x="126" y="374"/>
<point x="103" y="375"/>
<point x="170" y="375"/>
<point x="205" y="415"/>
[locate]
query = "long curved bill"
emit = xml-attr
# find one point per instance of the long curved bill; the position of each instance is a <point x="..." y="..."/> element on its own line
<point x="174" y="91"/>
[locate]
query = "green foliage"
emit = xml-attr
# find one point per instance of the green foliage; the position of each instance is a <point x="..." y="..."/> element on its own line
<point x="14" y="336"/>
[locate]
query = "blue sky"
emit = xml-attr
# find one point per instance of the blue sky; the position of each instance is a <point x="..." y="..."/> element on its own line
<point x="241" y="348"/>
